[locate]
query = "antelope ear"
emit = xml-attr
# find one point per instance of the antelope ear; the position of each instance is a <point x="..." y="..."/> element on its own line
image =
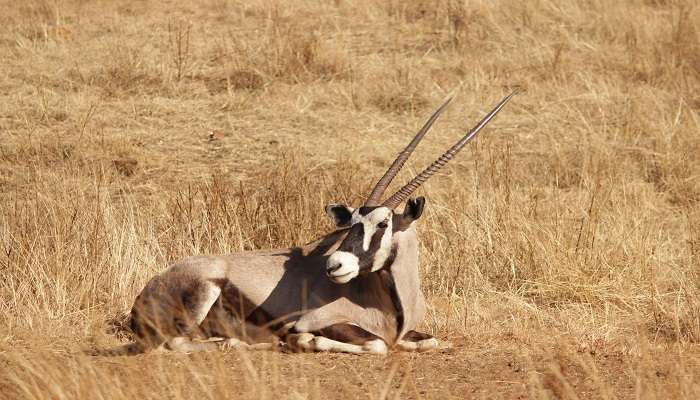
<point x="412" y="211"/>
<point x="340" y="214"/>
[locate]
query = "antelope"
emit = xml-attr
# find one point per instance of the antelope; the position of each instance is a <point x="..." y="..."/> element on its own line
<point x="354" y="290"/>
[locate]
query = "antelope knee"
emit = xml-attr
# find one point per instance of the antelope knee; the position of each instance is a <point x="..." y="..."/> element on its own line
<point x="301" y="341"/>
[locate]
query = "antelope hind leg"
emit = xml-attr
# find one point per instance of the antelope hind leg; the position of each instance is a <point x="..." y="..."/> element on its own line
<point x="186" y="345"/>
<point x="234" y="343"/>
<point x="232" y="333"/>
<point x="417" y="341"/>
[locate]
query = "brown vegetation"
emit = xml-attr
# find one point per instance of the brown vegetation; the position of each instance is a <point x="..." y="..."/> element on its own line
<point x="560" y="253"/>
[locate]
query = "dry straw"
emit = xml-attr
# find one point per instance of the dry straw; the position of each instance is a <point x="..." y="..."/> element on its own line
<point x="559" y="253"/>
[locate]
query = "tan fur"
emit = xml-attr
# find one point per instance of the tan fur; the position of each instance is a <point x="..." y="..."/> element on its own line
<point x="287" y="285"/>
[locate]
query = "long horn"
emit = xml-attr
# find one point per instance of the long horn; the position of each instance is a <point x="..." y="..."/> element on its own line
<point x="403" y="193"/>
<point x="390" y="173"/>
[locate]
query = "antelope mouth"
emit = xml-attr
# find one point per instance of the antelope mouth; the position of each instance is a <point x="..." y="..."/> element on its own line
<point x="344" y="278"/>
<point x="342" y="267"/>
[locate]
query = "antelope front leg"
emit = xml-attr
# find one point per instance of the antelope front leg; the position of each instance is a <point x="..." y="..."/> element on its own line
<point x="417" y="341"/>
<point x="339" y="338"/>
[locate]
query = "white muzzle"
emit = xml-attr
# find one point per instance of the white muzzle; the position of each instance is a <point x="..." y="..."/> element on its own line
<point x="342" y="267"/>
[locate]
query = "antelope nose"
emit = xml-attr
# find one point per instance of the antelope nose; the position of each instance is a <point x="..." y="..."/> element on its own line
<point x="330" y="269"/>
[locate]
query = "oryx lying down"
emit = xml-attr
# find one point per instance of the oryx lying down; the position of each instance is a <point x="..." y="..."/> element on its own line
<point x="354" y="290"/>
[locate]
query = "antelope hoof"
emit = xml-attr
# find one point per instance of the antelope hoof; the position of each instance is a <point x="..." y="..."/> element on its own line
<point x="418" y="346"/>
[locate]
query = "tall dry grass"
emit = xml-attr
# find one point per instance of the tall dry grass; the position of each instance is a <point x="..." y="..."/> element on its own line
<point x="566" y="237"/>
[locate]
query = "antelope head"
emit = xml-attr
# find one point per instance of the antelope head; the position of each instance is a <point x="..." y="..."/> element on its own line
<point x="368" y="245"/>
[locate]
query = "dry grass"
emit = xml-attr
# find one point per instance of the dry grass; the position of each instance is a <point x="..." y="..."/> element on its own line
<point x="560" y="252"/>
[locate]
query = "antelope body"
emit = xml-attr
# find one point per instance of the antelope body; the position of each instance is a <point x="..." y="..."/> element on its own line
<point x="355" y="290"/>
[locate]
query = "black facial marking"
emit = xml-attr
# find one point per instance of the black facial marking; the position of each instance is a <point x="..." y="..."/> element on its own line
<point x="367" y="259"/>
<point x="364" y="210"/>
<point x="376" y="241"/>
<point x="354" y="241"/>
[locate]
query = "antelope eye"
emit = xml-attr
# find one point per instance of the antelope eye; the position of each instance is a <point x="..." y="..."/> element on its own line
<point x="382" y="225"/>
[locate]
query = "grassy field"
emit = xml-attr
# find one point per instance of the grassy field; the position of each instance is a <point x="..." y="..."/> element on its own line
<point x="560" y="253"/>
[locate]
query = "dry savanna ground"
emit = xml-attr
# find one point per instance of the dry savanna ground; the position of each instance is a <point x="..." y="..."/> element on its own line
<point x="559" y="253"/>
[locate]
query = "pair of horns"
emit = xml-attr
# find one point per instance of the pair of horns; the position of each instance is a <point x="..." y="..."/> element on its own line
<point x="403" y="193"/>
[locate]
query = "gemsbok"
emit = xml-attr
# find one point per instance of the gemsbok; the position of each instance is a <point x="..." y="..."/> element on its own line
<point x="355" y="290"/>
